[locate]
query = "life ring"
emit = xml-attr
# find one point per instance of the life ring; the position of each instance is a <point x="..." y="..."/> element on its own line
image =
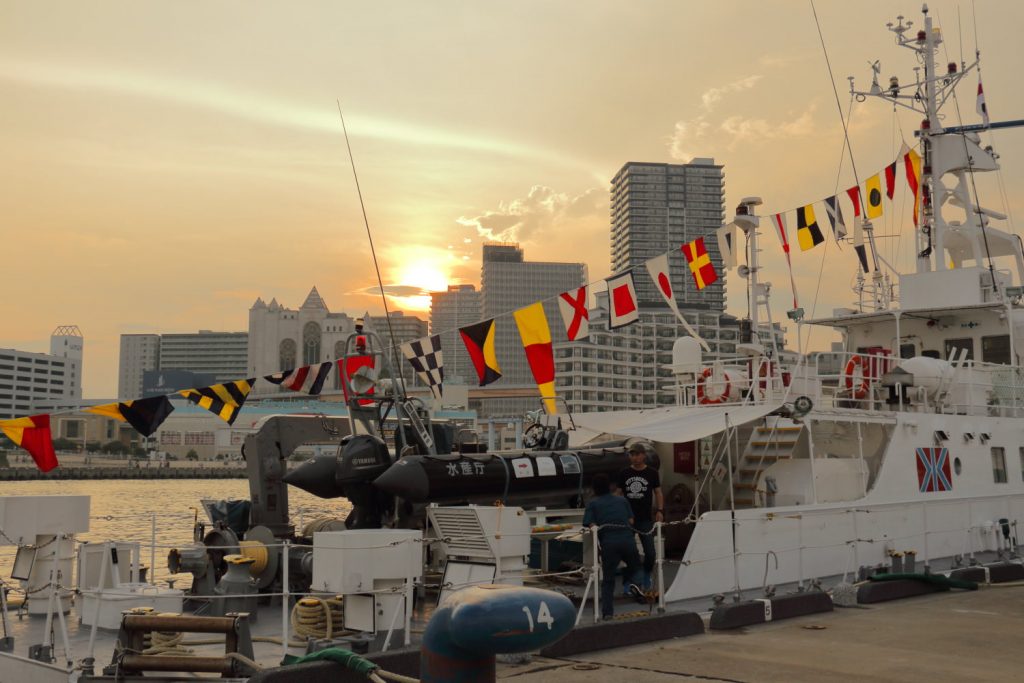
<point x="858" y="390"/>
<point x="702" y="396"/>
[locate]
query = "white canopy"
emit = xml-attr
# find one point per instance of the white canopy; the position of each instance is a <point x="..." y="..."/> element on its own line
<point x="673" y="424"/>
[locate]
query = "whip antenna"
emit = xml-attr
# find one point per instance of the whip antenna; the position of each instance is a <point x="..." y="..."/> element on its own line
<point x="373" y="252"/>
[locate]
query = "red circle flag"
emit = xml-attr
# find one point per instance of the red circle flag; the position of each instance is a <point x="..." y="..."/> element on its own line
<point x="665" y="285"/>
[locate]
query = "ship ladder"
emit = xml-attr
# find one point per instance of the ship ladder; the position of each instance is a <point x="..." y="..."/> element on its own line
<point x="767" y="445"/>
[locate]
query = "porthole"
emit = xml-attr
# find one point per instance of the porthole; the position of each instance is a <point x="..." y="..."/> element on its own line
<point x="957" y="466"/>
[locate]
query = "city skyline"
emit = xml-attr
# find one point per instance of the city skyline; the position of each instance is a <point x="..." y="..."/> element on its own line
<point x="167" y="164"/>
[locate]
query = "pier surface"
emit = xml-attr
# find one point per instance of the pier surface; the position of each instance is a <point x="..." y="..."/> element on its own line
<point x="955" y="636"/>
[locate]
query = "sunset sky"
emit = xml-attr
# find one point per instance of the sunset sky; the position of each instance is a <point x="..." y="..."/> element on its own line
<point x="166" y="163"/>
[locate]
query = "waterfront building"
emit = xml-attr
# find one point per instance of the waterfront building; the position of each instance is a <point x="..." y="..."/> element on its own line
<point x="153" y="364"/>
<point x="139" y="353"/>
<point x="220" y="355"/>
<point x="33" y="382"/>
<point x="656" y="208"/>
<point x="282" y="338"/>
<point x="450" y="310"/>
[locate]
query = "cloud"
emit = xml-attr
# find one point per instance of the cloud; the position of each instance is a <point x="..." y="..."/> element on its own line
<point x="733" y="130"/>
<point x="517" y="220"/>
<point x="713" y="96"/>
<point x="395" y="290"/>
<point x="266" y="109"/>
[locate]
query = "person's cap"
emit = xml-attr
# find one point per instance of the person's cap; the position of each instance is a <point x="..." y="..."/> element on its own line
<point x="638" y="448"/>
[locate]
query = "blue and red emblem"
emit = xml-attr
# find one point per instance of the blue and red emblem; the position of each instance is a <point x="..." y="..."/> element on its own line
<point x="933" y="470"/>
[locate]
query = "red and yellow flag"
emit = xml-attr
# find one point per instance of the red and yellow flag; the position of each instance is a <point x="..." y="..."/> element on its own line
<point x="33" y="434"/>
<point x="701" y="268"/>
<point x="912" y="164"/>
<point x="536" y="336"/>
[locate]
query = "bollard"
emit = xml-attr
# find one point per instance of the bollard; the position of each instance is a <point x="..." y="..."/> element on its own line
<point x="473" y="625"/>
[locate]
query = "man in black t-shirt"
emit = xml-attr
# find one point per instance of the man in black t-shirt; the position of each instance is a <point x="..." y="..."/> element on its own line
<point x="641" y="485"/>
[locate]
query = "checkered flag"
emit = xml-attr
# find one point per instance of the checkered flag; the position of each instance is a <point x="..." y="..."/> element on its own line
<point x="428" y="361"/>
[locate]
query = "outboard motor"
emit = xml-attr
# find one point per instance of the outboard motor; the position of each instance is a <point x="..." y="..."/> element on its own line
<point x="363" y="458"/>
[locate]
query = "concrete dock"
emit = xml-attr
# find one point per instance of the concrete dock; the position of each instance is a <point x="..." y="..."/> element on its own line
<point x="954" y="636"/>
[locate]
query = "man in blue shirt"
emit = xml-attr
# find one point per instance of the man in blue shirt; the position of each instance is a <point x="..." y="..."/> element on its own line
<point x="613" y="517"/>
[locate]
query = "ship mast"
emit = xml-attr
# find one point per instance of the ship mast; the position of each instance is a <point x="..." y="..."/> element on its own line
<point x="926" y="96"/>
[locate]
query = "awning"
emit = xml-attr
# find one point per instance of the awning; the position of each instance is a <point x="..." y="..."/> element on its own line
<point x="673" y="424"/>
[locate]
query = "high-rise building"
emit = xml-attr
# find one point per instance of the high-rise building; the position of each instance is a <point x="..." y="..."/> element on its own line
<point x="35" y="382"/>
<point x="68" y="343"/>
<point x="450" y="310"/>
<point x="222" y="355"/>
<point x="509" y="282"/>
<point x="139" y="353"/>
<point x="152" y="364"/>
<point x="656" y="208"/>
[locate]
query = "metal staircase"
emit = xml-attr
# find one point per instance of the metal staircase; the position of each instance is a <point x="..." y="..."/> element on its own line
<point x="767" y="445"/>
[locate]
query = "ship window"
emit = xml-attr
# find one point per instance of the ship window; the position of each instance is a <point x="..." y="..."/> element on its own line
<point x="954" y="346"/>
<point x="996" y="349"/>
<point x="999" y="464"/>
<point x="907" y="351"/>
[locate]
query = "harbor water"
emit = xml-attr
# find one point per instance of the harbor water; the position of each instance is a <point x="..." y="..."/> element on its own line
<point x="125" y="510"/>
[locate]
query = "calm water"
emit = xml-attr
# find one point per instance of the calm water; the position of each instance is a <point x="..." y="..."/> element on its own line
<point x="123" y="510"/>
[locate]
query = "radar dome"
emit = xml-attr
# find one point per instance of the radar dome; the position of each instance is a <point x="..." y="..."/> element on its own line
<point x="686" y="356"/>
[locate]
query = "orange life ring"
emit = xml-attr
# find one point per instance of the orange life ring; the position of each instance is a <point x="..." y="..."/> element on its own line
<point x="702" y="396"/>
<point x="858" y="390"/>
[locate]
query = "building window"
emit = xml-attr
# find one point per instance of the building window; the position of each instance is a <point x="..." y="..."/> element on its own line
<point x="198" y="438"/>
<point x="286" y="353"/>
<point x="169" y="438"/>
<point x="310" y="344"/>
<point x="996" y="349"/>
<point x="954" y="346"/>
<point x="999" y="464"/>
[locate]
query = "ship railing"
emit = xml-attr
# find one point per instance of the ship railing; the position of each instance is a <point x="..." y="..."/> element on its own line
<point x="847" y="380"/>
<point x="733" y="380"/>
<point x="979" y="388"/>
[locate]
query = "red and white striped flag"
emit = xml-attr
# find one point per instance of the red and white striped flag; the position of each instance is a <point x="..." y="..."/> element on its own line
<point x="779" y="220"/>
<point x="982" y="107"/>
<point x="309" y="379"/>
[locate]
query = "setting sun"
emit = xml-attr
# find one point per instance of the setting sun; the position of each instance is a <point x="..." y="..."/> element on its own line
<point x="423" y="274"/>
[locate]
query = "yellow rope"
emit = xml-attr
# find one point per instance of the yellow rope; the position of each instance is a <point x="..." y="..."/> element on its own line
<point x="315" y="617"/>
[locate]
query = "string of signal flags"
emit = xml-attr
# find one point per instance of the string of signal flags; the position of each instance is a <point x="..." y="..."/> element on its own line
<point x="426" y="355"/>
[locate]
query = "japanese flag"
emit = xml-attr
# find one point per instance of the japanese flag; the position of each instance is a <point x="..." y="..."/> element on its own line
<point x="658" y="268"/>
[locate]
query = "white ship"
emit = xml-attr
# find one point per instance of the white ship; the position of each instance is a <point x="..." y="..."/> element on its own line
<point x="902" y="452"/>
<point x="905" y="445"/>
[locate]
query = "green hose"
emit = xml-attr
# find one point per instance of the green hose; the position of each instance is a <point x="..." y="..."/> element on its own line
<point x="336" y="654"/>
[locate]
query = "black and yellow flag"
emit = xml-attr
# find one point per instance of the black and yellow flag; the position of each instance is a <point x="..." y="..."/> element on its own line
<point x="479" y="341"/>
<point x="223" y="400"/>
<point x="808" y="234"/>
<point x="873" y="190"/>
<point x="145" y="414"/>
